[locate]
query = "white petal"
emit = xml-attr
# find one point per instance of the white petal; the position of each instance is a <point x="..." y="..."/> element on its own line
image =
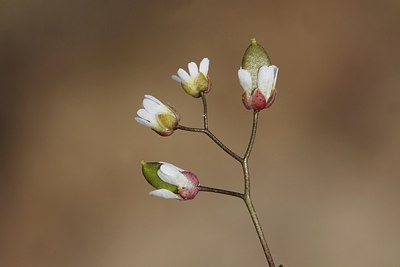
<point x="153" y="107"/>
<point x="204" y="66"/>
<point x="276" y="69"/>
<point x="169" y="164"/>
<point x="183" y="75"/>
<point x="193" y="70"/>
<point x="245" y="80"/>
<point x="143" y="122"/>
<point x="153" y="98"/>
<point x="164" y="193"/>
<point x="176" y="78"/>
<point x="265" y="79"/>
<point x="170" y="174"/>
<point x="144" y="114"/>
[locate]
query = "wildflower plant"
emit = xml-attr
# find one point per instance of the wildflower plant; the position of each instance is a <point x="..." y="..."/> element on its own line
<point x="258" y="79"/>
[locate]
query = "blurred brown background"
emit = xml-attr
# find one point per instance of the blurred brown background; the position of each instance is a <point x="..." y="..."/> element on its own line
<point x="325" y="168"/>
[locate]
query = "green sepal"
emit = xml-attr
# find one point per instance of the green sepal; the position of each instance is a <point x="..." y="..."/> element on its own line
<point x="150" y="170"/>
<point x="201" y="82"/>
<point x="168" y="121"/>
<point x="253" y="59"/>
<point x="190" y="89"/>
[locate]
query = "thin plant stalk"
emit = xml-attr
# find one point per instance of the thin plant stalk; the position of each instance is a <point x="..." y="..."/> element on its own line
<point x="220" y="191"/>
<point x="244" y="162"/>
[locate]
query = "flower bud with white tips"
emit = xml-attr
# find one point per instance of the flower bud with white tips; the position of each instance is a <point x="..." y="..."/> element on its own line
<point x="197" y="80"/>
<point x="161" y="118"/>
<point x="170" y="181"/>
<point x="258" y="78"/>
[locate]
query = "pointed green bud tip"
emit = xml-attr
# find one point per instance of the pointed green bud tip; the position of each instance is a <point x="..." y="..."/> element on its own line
<point x="253" y="59"/>
<point x="150" y="170"/>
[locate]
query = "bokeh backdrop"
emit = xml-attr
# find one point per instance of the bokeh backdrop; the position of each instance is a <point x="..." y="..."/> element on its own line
<point x="325" y="167"/>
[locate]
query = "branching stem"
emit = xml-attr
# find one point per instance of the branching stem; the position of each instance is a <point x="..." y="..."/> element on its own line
<point x="208" y="132"/>
<point x="244" y="162"/>
<point x="214" y="138"/>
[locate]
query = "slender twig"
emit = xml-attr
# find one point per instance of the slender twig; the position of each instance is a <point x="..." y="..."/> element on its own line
<point x="253" y="135"/>
<point x="247" y="198"/>
<point x="247" y="154"/>
<point x="244" y="162"/>
<point x="220" y="191"/>
<point x="205" y="118"/>
<point x="190" y="129"/>
<point x="257" y="225"/>
<point x="208" y="132"/>
<point x="213" y="137"/>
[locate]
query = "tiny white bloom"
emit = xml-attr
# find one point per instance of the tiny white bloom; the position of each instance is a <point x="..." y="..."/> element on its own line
<point x="267" y="76"/>
<point x="186" y="182"/>
<point x="263" y="95"/>
<point x="157" y="116"/>
<point x="196" y="80"/>
<point x="257" y="77"/>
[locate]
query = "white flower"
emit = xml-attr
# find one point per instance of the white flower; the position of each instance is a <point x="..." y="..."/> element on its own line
<point x="267" y="76"/>
<point x="197" y="81"/>
<point x="263" y="95"/>
<point x="170" y="181"/>
<point x="157" y="116"/>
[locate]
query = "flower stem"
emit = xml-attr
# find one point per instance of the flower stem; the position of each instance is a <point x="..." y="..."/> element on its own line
<point x="205" y="118"/>
<point x="253" y="135"/>
<point x="213" y="137"/>
<point x="247" y="154"/>
<point x="220" y="191"/>
<point x="208" y="132"/>
<point x="244" y="162"/>
<point x="246" y="196"/>
<point x="257" y="225"/>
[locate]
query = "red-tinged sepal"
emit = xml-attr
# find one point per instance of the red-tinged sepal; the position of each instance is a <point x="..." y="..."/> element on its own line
<point x="258" y="101"/>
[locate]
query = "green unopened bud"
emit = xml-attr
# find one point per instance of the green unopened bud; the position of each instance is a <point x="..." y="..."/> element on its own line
<point x="150" y="170"/>
<point x="253" y="59"/>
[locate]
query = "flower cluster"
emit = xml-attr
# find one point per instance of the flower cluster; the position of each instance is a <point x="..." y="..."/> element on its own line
<point x="257" y="77"/>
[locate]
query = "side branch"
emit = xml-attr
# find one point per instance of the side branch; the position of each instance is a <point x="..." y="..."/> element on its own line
<point x="190" y="129"/>
<point x="220" y="191"/>
<point x="213" y="137"/>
